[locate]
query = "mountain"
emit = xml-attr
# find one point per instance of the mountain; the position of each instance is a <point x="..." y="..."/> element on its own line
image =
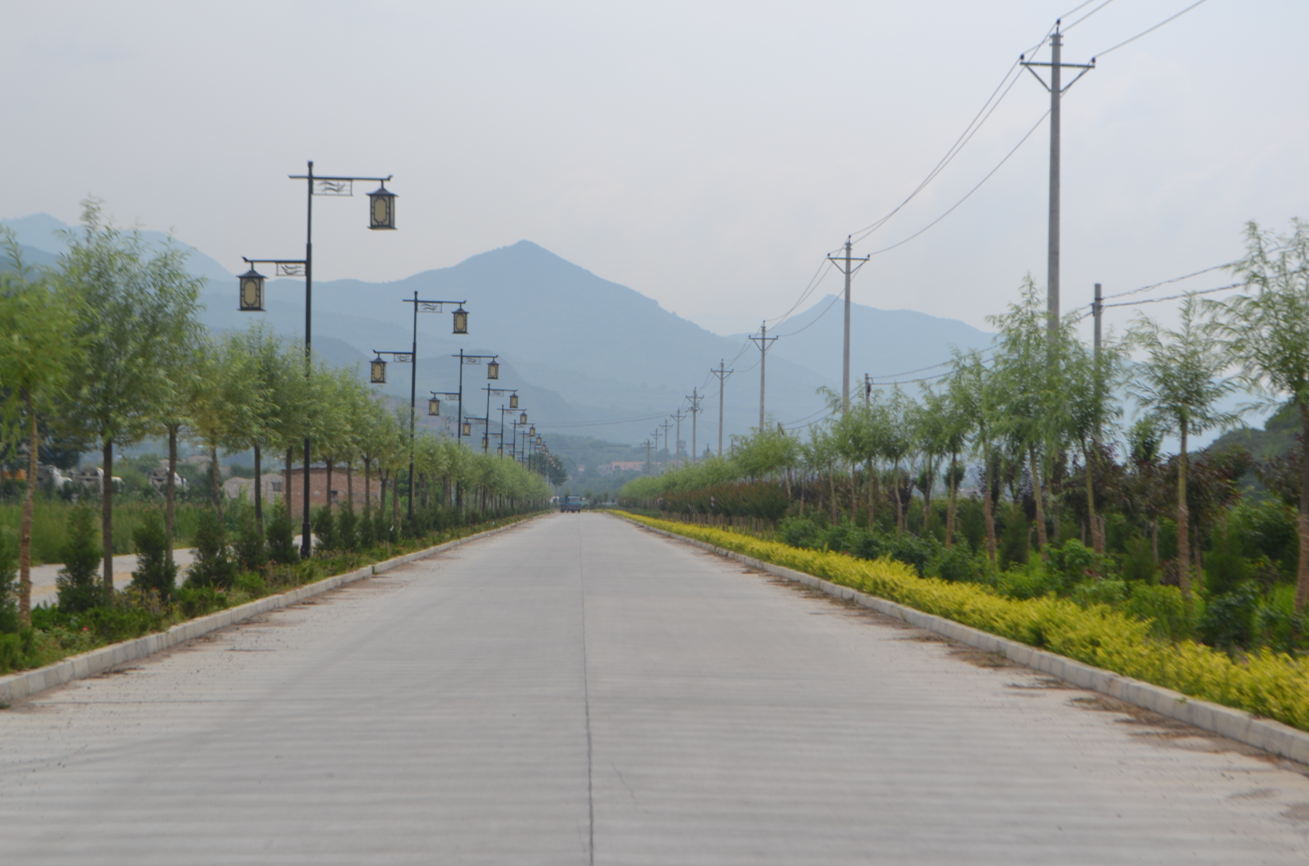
<point x="42" y="234"/>
<point x="889" y="345"/>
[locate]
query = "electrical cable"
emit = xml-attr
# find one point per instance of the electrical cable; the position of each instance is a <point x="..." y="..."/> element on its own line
<point x="1166" y="282"/>
<point x="1175" y="297"/>
<point x="1151" y="29"/>
<point x="989" y="174"/>
<point x="1088" y="14"/>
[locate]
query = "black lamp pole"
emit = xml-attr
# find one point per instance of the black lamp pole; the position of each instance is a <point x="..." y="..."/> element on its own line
<point x="381" y="216"/>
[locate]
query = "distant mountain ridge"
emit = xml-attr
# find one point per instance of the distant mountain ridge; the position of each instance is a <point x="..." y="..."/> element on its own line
<point x="590" y="357"/>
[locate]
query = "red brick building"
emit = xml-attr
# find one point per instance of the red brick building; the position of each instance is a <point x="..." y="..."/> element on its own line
<point x="318" y="489"/>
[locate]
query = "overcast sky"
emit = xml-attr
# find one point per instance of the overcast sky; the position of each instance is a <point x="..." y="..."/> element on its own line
<point x="705" y="154"/>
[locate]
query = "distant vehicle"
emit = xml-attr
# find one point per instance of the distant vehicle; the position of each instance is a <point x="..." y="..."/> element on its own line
<point x="571" y="503"/>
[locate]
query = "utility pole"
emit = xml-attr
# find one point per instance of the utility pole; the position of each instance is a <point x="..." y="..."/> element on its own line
<point x="677" y="443"/>
<point x="1056" y="88"/>
<point x="722" y="373"/>
<point x="647" y="443"/>
<point x="1097" y="310"/>
<point x="868" y="391"/>
<point x="695" y="399"/>
<point x="666" y="426"/>
<point x="656" y="451"/>
<point x="848" y="269"/>
<point x="762" y="341"/>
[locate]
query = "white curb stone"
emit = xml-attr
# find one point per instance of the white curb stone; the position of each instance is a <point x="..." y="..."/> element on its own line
<point x="26" y="683"/>
<point x="1266" y="734"/>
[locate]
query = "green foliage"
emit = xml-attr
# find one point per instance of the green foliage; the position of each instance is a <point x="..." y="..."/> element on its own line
<point x="1229" y="619"/>
<point x="79" y="588"/>
<point x="8" y="586"/>
<point x="325" y="529"/>
<point x="155" y="571"/>
<point x="281" y="537"/>
<point x="958" y="564"/>
<point x="367" y="528"/>
<point x="1072" y="563"/>
<point x="213" y="566"/>
<point x="250" y="548"/>
<point x="1136" y="565"/>
<point x="347" y="528"/>
<point x="1164" y="608"/>
<point x="1111" y="593"/>
<point x="1014" y="545"/>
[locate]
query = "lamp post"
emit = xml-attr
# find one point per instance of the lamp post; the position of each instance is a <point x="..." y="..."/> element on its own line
<point x="489" y="391"/>
<point x="381" y="215"/>
<point x="492" y="372"/>
<point x="503" y="409"/>
<point x="521" y="421"/>
<point x="460" y="317"/>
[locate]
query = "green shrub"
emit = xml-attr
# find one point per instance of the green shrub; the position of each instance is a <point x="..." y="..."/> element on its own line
<point x="347" y="528"/>
<point x="213" y="566"/>
<point x="1026" y="582"/>
<point x="8" y="587"/>
<point x="78" y="583"/>
<point x="281" y="537"/>
<point x="367" y="529"/>
<point x="195" y="601"/>
<point x="1163" y="607"/>
<point x="1072" y="563"/>
<point x="324" y="529"/>
<point x="250" y="549"/>
<point x="1014" y="546"/>
<point x="957" y="564"/>
<point x="155" y="572"/>
<point x="251" y="584"/>
<point x="1137" y="562"/>
<point x="1229" y="619"/>
<point x="1107" y="592"/>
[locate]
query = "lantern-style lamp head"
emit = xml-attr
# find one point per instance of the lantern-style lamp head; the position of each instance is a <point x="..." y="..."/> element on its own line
<point x="381" y="208"/>
<point x="513" y="401"/>
<point x="531" y="431"/>
<point x="538" y="440"/>
<point x="434" y="407"/>
<point x="461" y="320"/>
<point x="252" y="292"/>
<point x="522" y="419"/>
<point x="493" y="370"/>
<point x="486" y="442"/>
<point x="377" y="371"/>
<point x="468" y="428"/>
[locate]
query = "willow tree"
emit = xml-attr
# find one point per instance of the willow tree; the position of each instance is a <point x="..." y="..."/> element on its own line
<point x="133" y="302"/>
<point x="36" y="352"/>
<point x="1181" y="383"/>
<point x="1267" y="329"/>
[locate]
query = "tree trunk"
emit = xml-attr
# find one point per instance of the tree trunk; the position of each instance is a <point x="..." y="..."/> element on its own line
<point x="381" y="492"/>
<point x="218" y="487"/>
<point x="395" y="504"/>
<point x="328" y="491"/>
<point x="1183" y="520"/>
<point x="988" y="506"/>
<point x="368" y="482"/>
<point x="350" y="482"/>
<point x="895" y="492"/>
<point x="952" y="487"/>
<point x="1037" y="493"/>
<point x="1302" y="571"/>
<point x="831" y="484"/>
<point x="259" y="492"/>
<point x="1097" y="537"/>
<point x="854" y="492"/>
<point x="170" y="490"/>
<point x="25" y="529"/>
<point x="872" y="493"/>
<point x="107" y="516"/>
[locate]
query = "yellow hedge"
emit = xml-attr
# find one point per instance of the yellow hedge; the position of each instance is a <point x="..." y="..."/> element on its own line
<point x="1270" y="684"/>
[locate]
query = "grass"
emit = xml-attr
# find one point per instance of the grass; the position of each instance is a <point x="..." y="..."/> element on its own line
<point x="1267" y="683"/>
<point x="50" y="519"/>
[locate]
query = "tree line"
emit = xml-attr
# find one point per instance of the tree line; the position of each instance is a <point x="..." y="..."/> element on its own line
<point x="105" y="349"/>
<point x="1043" y="439"/>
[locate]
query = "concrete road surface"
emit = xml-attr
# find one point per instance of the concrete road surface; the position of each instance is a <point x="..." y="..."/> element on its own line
<point x="579" y="691"/>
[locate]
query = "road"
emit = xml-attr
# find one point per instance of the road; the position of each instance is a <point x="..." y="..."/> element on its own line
<point x="45" y="587"/>
<point x="580" y="691"/>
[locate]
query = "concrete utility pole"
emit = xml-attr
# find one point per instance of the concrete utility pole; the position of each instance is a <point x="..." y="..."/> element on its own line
<point x="666" y="425"/>
<point x="680" y="416"/>
<point x="722" y="373"/>
<point x="1097" y="310"/>
<point x="656" y="451"/>
<point x="868" y="391"/>
<point x="762" y="341"/>
<point x="695" y="399"/>
<point x="848" y="270"/>
<point x="647" y="444"/>
<point x="1056" y="88"/>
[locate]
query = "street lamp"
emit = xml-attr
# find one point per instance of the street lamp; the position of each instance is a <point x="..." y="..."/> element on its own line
<point x="470" y="359"/>
<point x="493" y="370"/>
<point x="434" y="404"/>
<point x="252" y="292"/>
<point x="513" y="401"/>
<point x="377" y="371"/>
<point x="468" y="428"/>
<point x="489" y="392"/>
<point x="381" y="208"/>
<point x="381" y="216"/>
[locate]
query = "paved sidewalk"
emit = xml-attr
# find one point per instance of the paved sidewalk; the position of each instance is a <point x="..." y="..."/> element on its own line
<point x="580" y="691"/>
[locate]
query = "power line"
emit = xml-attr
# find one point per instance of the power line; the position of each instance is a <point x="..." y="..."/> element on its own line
<point x="1088" y="14"/>
<point x="1167" y="282"/>
<point x="970" y="192"/>
<point x="1151" y="29"/>
<point x="1175" y="297"/>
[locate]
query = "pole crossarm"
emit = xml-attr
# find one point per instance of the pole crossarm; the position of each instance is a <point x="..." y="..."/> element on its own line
<point x="1085" y="67"/>
<point x="285" y="267"/>
<point x="475" y="359"/>
<point x="399" y="357"/>
<point x="425" y="306"/>
<point x="449" y="395"/>
<point x="335" y="185"/>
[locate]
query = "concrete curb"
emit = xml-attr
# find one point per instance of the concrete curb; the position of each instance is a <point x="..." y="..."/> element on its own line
<point x="27" y="683"/>
<point x="1266" y="734"/>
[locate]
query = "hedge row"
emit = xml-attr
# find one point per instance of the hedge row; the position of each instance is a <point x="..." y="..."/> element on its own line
<point x="1270" y="684"/>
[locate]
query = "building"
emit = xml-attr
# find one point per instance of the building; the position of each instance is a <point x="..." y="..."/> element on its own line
<point x="318" y="488"/>
<point x="621" y="466"/>
<point x="238" y="488"/>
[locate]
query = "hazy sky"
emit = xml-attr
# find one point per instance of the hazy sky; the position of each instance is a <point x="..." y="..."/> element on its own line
<point x="706" y="154"/>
